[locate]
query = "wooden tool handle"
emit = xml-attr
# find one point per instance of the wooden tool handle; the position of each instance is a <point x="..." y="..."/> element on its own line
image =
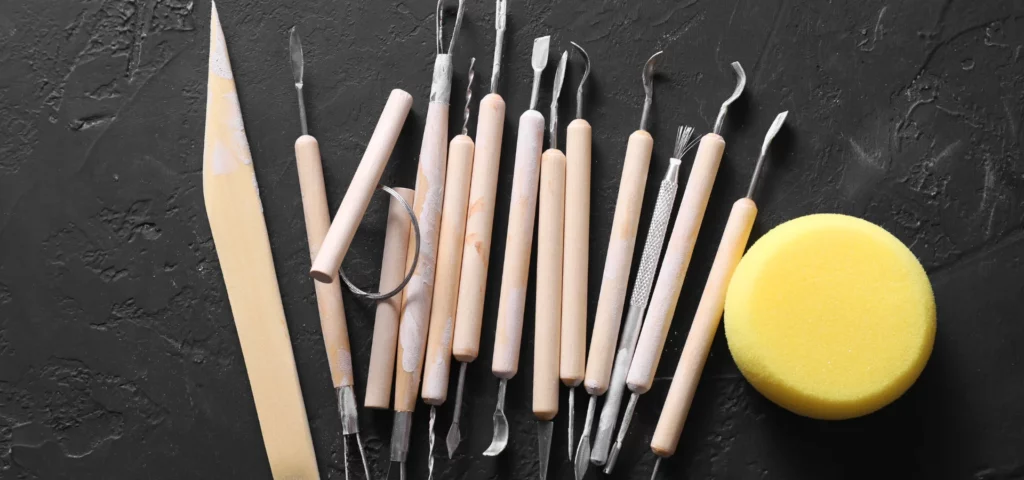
<point x="702" y="331"/>
<point x="508" y="335"/>
<point x="412" y="330"/>
<point x="449" y="265"/>
<point x="608" y="317"/>
<point x="477" y="248"/>
<point x="357" y="197"/>
<point x="550" y="237"/>
<point x="385" y="324"/>
<point x="677" y="259"/>
<point x="576" y="253"/>
<point x="328" y="295"/>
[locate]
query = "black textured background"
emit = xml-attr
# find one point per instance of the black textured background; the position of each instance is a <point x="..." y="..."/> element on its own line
<point x="118" y="354"/>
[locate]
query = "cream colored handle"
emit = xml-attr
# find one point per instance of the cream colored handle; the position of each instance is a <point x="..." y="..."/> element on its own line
<point x="573" y="355"/>
<point x="608" y="317"/>
<point x="328" y="295"/>
<point x="412" y="329"/>
<point x="364" y="182"/>
<point x="449" y="265"/>
<point x="508" y="335"/>
<point x="385" y="324"/>
<point x="702" y="331"/>
<point x="550" y="237"/>
<point x="677" y="259"/>
<point x="479" y="224"/>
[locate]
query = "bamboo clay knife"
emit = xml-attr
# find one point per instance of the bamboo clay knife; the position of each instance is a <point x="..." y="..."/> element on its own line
<point x="243" y="248"/>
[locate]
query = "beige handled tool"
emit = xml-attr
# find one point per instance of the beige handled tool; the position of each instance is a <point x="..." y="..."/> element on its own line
<point x="328" y="295"/>
<point x="361" y="188"/>
<point x="449" y="266"/>
<point x="573" y="348"/>
<point x="662" y="307"/>
<point x="243" y="250"/>
<point x="548" y="316"/>
<point x="476" y="248"/>
<point x="430" y="177"/>
<point x="709" y="313"/>
<point x="385" y="323"/>
<point x="518" y="248"/>
<point x="610" y="301"/>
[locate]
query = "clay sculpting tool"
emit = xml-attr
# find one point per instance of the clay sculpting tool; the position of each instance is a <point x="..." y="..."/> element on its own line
<point x="673" y="269"/>
<point x="328" y="295"/>
<point x="243" y="249"/>
<point x="449" y="265"/>
<point x="573" y="348"/>
<point x="518" y="245"/>
<point x="412" y="329"/>
<point x="610" y="301"/>
<point x="709" y="313"/>
<point x="638" y="301"/>
<point x="476" y="248"/>
<point x="385" y="323"/>
<point x="550" y="235"/>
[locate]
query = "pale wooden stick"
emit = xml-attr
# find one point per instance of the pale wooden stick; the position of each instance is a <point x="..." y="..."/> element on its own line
<point x="328" y="295"/>
<point x="508" y="335"/>
<point x="385" y="325"/>
<point x="677" y="259"/>
<point x="479" y="222"/>
<point x="608" y="317"/>
<point x="364" y="182"/>
<point x="449" y="266"/>
<point x="702" y="331"/>
<point x="550" y="228"/>
<point x="573" y="352"/>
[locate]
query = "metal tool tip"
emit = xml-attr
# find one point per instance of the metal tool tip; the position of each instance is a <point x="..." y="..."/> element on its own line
<point x="741" y="83"/>
<point x="559" y="78"/>
<point x="500" y="14"/>
<point x="544" y="432"/>
<point x="540" y="52"/>
<point x="654" y="472"/>
<point x="683" y="135"/>
<point x="295" y="51"/>
<point x="773" y="131"/>
<point x="649" y="67"/>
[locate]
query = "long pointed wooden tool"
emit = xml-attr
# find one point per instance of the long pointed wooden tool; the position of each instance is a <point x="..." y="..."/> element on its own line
<point x="243" y="249"/>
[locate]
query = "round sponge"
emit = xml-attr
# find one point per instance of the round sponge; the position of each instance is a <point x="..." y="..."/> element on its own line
<point x="830" y="316"/>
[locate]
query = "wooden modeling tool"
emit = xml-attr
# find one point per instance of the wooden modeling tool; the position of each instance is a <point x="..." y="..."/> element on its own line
<point x="476" y="248"/>
<point x="662" y="306"/>
<point x="328" y="295"/>
<point x="617" y="264"/>
<point x="638" y="301"/>
<point x="573" y="348"/>
<point x="449" y="264"/>
<point x="518" y="244"/>
<point x="412" y="329"/>
<point x="243" y="249"/>
<point x="548" y="317"/>
<point x="385" y="323"/>
<point x="709" y="313"/>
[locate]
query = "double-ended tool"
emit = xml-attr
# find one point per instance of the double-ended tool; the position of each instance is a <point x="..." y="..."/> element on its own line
<point x="518" y="245"/>
<point x="709" y="313"/>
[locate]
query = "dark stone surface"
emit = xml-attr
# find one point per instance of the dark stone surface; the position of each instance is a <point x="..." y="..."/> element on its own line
<point x="118" y="353"/>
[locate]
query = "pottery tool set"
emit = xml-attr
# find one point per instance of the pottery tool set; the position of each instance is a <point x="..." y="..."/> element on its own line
<point x="429" y="303"/>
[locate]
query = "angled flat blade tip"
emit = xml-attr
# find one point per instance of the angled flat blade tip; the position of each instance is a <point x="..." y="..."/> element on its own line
<point x="295" y="49"/>
<point x="540" y="52"/>
<point x="559" y="77"/>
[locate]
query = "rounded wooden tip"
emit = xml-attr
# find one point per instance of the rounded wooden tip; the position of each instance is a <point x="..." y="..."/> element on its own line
<point x="306" y="141"/>
<point x="462" y="141"/>
<point x="662" y="452"/>
<point x="321" y="276"/>
<point x="578" y="123"/>
<point x="492" y="101"/>
<point x="545" y="414"/>
<point x="466" y="355"/>
<point x="401" y="96"/>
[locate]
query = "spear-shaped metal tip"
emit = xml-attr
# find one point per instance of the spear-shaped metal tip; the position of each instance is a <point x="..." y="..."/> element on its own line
<point x="741" y="82"/>
<point x="648" y="79"/>
<point x="768" y="137"/>
<point x="556" y="91"/>
<point x="295" y="49"/>
<point x="583" y="80"/>
<point x="544" y="431"/>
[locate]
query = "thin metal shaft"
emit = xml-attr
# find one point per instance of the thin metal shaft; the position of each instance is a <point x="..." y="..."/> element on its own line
<point x="454" y="435"/>
<point x="499" y="36"/>
<point x="772" y="131"/>
<point x="741" y="82"/>
<point x="583" y="451"/>
<point x="430" y="455"/>
<point x="654" y="473"/>
<point x="295" y="52"/>
<point x="362" y="456"/>
<point x="556" y="91"/>
<point x="572" y="419"/>
<point x="648" y="79"/>
<point x="344" y="447"/>
<point x="621" y="436"/>
<point x="469" y="97"/>
<point x="579" y="91"/>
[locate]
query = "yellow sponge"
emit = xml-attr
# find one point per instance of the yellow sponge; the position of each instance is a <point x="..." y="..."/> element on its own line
<point x="830" y="316"/>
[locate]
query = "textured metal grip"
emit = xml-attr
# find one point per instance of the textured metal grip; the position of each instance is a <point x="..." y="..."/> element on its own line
<point x="655" y="240"/>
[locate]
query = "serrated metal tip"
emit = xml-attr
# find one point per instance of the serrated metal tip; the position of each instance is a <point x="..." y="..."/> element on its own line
<point x="295" y="51"/>
<point x="682" y="141"/>
<point x="540" y="53"/>
<point x="741" y="83"/>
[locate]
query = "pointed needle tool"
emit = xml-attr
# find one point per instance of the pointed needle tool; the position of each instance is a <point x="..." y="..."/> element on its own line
<point x="479" y="222"/>
<point x="677" y="260"/>
<point x="618" y="262"/>
<point x="709" y="312"/>
<point x="518" y="243"/>
<point x="573" y="350"/>
<point x="328" y="295"/>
